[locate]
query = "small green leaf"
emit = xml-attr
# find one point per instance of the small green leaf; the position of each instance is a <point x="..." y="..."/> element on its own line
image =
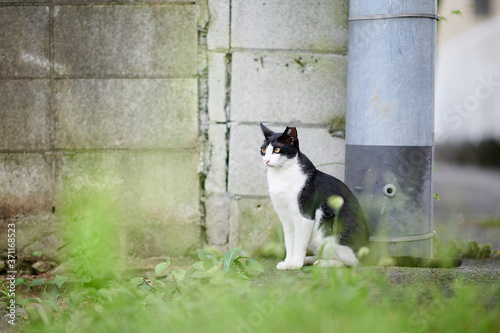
<point x="36" y="282"/>
<point x="241" y="268"/>
<point x="20" y="282"/>
<point x="253" y="265"/>
<point x="436" y="196"/>
<point x="76" y="299"/>
<point x="145" y="287"/>
<point x="202" y="254"/>
<point x="136" y="281"/>
<point x="59" y="280"/>
<point x="229" y="257"/>
<point x="37" y="253"/>
<point x="161" y="267"/>
<point x="199" y="265"/>
<point x="200" y="275"/>
<point x="179" y="274"/>
<point x="208" y="273"/>
<point x="213" y="259"/>
<point x="457" y="12"/>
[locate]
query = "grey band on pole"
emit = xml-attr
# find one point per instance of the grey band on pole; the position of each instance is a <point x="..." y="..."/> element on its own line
<point x="389" y="16"/>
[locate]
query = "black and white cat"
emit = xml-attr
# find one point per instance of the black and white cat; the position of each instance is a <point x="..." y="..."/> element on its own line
<point x="300" y="195"/>
<point x="334" y="230"/>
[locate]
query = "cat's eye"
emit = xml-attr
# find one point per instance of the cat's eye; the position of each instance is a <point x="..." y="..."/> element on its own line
<point x="263" y="150"/>
<point x="277" y="150"/>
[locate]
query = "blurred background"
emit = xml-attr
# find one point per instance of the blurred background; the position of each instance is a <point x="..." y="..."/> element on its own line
<point x="467" y="120"/>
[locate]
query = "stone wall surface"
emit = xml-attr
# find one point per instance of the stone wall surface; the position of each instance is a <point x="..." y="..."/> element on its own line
<point x="101" y="97"/>
<point x="283" y="63"/>
<point x="159" y="103"/>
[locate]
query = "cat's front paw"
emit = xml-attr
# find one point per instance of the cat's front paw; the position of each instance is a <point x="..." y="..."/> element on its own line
<point x="296" y="265"/>
<point x="289" y="265"/>
<point x="282" y="266"/>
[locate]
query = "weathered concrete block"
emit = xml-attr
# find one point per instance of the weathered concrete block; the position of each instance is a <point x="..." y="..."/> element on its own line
<point x="26" y="183"/>
<point x="124" y="113"/>
<point x="145" y="193"/>
<point x="24" y="114"/>
<point x="217" y="219"/>
<point x="151" y="183"/>
<point x="282" y="24"/>
<point x="34" y="232"/>
<point x="218" y="29"/>
<point x="217" y="173"/>
<point x="247" y="172"/>
<point x="126" y="40"/>
<point x="217" y="79"/>
<point x="24" y="41"/>
<point x="277" y="87"/>
<point x="254" y="223"/>
<point x="152" y="238"/>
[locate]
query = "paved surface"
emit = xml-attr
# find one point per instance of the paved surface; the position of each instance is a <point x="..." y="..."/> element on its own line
<point x="472" y="271"/>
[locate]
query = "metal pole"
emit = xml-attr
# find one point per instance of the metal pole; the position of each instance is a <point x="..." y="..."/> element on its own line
<point x="390" y="121"/>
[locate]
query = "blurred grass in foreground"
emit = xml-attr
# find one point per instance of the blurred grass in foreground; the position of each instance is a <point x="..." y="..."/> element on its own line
<point x="89" y="220"/>
<point x="310" y="300"/>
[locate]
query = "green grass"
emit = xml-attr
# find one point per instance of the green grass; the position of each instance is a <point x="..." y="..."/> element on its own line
<point x="224" y="300"/>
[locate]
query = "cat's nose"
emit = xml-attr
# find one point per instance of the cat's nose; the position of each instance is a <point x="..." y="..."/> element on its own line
<point x="266" y="161"/>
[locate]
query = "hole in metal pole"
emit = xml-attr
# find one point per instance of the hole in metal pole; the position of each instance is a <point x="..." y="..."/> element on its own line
<point x="389" y="190"/>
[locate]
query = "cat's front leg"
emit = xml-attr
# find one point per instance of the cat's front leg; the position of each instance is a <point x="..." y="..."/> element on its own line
<point x="302" y="235"/>
<point x="289" y="234"/>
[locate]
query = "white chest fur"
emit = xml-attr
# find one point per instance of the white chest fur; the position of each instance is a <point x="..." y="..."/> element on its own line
<point x="285" y="185"/>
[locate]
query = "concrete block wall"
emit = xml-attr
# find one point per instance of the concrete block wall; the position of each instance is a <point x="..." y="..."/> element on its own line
<point x="159" y="102"/>
<point x="281" y="63"/>
<point x="101" y="95"/>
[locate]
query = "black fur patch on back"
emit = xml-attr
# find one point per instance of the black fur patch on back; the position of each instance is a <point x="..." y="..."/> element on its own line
<point x="351" y="228"/>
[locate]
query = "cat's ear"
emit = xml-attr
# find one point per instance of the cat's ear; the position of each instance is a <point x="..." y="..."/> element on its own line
<point x="290" y="135"/>
<point x="267" y="132"/>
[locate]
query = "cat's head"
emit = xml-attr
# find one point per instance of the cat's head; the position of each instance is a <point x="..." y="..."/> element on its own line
<point x="279" y="148"/>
